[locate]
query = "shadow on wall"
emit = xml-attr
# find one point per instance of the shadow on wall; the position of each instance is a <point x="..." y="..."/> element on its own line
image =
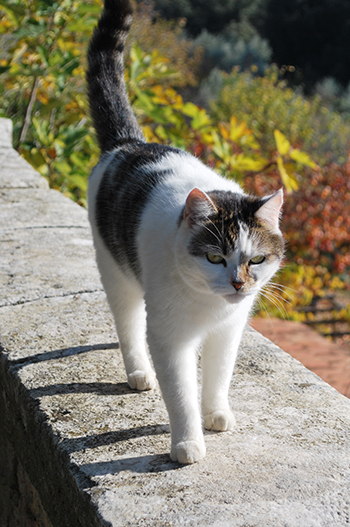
<point x="58" y="354"/>
<point x="137" y="464"/>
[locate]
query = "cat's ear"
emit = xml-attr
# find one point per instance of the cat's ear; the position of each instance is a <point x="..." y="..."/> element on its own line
<point x="270" y="210"/>
<point x="198" y="207"/>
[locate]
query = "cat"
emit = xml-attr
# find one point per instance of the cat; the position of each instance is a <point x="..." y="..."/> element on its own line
<point x="182" y="252"/>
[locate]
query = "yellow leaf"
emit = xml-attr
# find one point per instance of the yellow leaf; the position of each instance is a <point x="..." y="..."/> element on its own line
<point x="288" y="177"/>
<point x="233" y="121"/>
<point x="190" y="109"/>
<point x="207" y="138"/>
<point x="250" y="141"/>
<point x="239" y="131"/>
<point x="223" y="130"/>
<point x="282" y="143"/>
<point x="302" y="157"/>
<point x="244" y="163"/>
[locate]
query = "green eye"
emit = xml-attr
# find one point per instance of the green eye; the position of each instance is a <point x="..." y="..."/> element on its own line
<point x="257" y="259"/>
<point x="215" y="258"/>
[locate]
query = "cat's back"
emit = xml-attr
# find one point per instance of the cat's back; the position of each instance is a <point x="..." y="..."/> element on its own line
<point x="183" y="172"/>
<point x="142" y="188"/>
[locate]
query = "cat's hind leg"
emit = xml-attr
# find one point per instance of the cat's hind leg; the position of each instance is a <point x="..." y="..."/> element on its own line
<point x="125" y="298"/>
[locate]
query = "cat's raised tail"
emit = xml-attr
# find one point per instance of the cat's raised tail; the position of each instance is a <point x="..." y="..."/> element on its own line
<point x="113" y="118"/>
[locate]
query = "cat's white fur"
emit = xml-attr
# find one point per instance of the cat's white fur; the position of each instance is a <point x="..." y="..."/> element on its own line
<point x="190" y="305"/>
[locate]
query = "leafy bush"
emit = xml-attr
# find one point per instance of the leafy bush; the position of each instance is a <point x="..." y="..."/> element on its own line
<point x="227" y="50"/>
<point x="43" y="87"/>
<point x="154" y="33"/>
<point x="228" y="147"/>
<point x="45" y="76"/>
<point x="316" y="225"/>
<point x="334" y="95"/>
<point x="42" y="67"/>
<point x="318" y="222"/>
<point x="266" y="103"/>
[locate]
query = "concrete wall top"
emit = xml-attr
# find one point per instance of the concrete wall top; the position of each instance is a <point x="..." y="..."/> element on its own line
<point x="97" y="451"/>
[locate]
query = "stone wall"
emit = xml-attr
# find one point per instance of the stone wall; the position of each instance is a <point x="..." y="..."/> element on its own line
<point x="79" y="448"/>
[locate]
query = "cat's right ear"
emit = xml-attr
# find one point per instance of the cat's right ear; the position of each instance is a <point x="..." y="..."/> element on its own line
<point x="198" y="207"/>
<point x="270" y="210"/>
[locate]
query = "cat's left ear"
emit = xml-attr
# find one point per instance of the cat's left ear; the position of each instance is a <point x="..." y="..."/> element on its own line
<point x="198" y="207"/>
<point x="270" y="210"/>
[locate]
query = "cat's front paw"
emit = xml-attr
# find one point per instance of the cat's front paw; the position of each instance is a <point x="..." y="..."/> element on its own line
<point x="221" y="420"/>
<point x="188" y="452"/>
<point x="142" y="380"/>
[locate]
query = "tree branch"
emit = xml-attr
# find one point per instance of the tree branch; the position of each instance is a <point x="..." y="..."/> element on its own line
<point x="28" y="116"/>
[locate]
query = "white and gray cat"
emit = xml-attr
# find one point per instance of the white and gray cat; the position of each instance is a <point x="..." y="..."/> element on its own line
<point x="182" y="252"/>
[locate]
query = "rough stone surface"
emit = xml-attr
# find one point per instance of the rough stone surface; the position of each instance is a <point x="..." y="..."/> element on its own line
<point x="95" y="452"/>
<point x="15" y="171"/>
<point x="326" y="358"/>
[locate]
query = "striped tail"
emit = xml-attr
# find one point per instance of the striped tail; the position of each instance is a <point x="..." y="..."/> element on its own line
<point x="114" y="121"/>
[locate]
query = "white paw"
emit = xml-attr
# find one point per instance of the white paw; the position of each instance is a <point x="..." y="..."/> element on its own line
<point x="188" y="452"/>
<point x="221" y="420"/>
<point x="142" y="380"/>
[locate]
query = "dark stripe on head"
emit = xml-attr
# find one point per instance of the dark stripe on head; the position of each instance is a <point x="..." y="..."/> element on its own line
<point x="221" y="230"/>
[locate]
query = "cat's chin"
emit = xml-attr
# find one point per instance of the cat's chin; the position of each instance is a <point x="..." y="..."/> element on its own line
<point x="234" y="298"/>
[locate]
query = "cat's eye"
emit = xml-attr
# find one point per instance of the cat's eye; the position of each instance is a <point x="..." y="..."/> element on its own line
<point x="257" y="259"/>
<point x="215" y="258"/>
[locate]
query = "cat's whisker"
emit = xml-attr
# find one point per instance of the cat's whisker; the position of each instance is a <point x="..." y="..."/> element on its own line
<point x="211" y="221"/>
<point x="262" y="306"/>
<point x="276" y="293"/>
<point x="276" y="302"/>
<point x="281" y="289"/>
<point x="284" y="287"/>
<point x="280" y="310"/>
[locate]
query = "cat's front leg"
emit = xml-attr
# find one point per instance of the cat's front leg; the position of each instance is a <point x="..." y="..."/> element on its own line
<point x="218" y="360"/>
<point x="176" y="368"/>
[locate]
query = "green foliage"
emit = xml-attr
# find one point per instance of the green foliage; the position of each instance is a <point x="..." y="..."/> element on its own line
<point x="42" y="67"/>
<point x="229" y="147"/>
<point x="266" y="103"/>
<point x="154" y="33"/>
<point x="43" y="87"/>
<point x="224" y="51"/>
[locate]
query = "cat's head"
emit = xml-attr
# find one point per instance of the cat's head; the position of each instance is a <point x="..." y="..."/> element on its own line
<point x="229" y="244"/>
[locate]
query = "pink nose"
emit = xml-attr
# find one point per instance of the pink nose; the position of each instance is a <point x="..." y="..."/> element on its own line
<point x="237" y="285"/>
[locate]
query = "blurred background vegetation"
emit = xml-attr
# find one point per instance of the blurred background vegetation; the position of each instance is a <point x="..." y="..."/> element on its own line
<point x="258" y="89"/>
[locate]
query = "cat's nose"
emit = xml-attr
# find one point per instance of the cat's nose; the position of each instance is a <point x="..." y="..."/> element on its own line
<point x="237" y="285"/>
